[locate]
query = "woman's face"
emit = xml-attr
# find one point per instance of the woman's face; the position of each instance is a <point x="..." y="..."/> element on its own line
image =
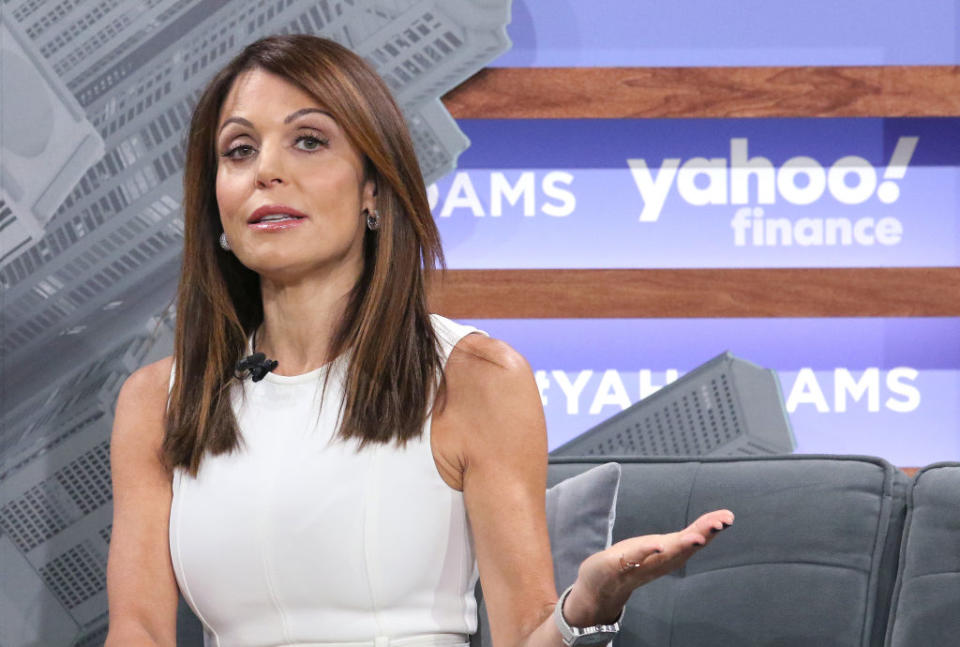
<point x="290" y="185"/>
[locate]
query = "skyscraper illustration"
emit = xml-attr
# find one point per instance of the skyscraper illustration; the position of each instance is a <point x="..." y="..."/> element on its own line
<point x="80" y="281"/>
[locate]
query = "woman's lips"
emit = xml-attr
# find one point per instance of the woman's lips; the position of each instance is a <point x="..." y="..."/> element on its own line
<point x="276" y="225"/>
<point x="275" y="217"/>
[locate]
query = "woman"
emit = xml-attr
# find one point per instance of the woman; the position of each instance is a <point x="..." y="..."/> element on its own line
<point x="339" y="514"/>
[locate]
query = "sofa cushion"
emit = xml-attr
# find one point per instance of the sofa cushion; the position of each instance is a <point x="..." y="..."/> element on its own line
<point x="926" y="603"/>
<point x="810" y="560"/>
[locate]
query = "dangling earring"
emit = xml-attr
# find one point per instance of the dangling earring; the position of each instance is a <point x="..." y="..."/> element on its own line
<point x="373" y="219"/>
<point x="224" y="243"/>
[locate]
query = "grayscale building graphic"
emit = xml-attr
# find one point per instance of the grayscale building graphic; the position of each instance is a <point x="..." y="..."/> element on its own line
<point x="725" y="407"/>
<point x="47" y="141"/>
<point x="94" y="102"/>
<point x="55" y="495"/>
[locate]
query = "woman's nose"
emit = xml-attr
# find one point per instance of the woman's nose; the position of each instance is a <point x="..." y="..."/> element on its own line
<point x="270" y="170"/>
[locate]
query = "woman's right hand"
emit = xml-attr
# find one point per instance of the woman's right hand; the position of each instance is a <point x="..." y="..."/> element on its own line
<point x="607" y="578"/>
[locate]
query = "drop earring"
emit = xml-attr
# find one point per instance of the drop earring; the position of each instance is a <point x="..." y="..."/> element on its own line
<point x="224" y="243"/>
<point x="373" y="219"/>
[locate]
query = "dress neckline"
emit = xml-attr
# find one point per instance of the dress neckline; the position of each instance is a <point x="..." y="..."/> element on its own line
<point x="309" y="376"/>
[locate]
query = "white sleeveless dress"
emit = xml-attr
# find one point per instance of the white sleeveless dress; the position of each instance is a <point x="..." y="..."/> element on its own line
<point x="298" y="539"/>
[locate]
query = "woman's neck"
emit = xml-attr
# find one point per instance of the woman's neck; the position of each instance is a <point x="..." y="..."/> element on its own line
<point x="299" y="321"/>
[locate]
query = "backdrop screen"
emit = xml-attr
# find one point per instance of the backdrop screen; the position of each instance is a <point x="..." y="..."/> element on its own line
<point x="880" y="386"/>
<point x="696" y="193"/>
<point x="573" y="33"/>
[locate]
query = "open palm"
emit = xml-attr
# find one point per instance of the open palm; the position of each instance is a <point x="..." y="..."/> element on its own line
<point x="610" y="576"/>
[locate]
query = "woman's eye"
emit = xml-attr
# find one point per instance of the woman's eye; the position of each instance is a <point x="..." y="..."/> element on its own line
<point x="239" y="152"/>
<point x="309" y="143"/>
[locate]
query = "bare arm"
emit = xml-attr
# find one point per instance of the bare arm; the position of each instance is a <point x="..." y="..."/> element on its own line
<point x="494" y="405"/>
<point x="494" y="412"/>
<point x="141" y="587"/>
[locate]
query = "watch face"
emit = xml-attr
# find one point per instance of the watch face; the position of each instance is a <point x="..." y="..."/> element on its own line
<point x="594" y="639"/>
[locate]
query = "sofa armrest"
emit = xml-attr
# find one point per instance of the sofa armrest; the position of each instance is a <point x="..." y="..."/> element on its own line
<point x="927" y="596"/>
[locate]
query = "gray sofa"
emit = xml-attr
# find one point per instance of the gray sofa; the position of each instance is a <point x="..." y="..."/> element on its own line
<point x="826" y="551"/>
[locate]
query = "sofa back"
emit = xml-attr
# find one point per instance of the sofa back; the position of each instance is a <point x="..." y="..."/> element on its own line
<point x="811" y="559"/>
<point x="926" y="603"/>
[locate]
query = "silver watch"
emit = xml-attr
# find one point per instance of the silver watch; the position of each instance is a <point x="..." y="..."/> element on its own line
<point x="583" y="636"/>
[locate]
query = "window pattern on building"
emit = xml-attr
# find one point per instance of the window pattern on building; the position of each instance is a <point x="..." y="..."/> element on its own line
<point x="87" y="479"/>
<point x="26" y="9"/>
<point x="56" y="14"/>
<point x="105" y="533"/>
<point x="33" y="518"/>
<point x="6" y="215"/>
<point x="76" y="575"/>
<point x="78" y="26"/>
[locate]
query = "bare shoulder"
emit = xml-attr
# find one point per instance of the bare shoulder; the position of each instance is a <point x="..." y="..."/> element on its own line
<point x="141" y="405"/>
<point x="149" y="379"/>
<point x="487" y="376"/>
<point x="484" y="362"/>
<point x="492" y="394"/>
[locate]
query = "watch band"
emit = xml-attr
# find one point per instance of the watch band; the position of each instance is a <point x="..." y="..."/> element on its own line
<point x="574" y="636"/>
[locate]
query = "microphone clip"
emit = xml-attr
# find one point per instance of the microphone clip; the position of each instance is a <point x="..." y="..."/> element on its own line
<point x="255" y="366"/>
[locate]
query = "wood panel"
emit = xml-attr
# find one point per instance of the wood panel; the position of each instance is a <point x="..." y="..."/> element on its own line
<point x="572" y="93"/>
<point x="610" y="293"/>
<point x="867" y="91"/>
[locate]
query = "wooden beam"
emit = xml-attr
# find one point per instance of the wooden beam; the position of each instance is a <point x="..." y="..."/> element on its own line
<point x="657" y="92"/>
<point x="618" y="293"/>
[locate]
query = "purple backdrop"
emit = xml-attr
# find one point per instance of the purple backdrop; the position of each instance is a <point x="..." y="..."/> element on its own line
<point x="703" y="193"/>
<point x="572" y="33"/>
<point x="885" y="387"/>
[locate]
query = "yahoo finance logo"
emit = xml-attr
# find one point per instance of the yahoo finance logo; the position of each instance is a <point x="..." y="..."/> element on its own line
<point x="757" y="184"/>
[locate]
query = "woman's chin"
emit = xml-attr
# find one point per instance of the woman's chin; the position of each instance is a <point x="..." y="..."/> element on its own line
<point x="286" y="271"/>
<point x="281" y="272"/>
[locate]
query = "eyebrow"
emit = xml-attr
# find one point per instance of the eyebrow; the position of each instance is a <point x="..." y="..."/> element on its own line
<point x="235" y="120"/>
<point x="305" y="111"/>
<point x="287" y="120"/>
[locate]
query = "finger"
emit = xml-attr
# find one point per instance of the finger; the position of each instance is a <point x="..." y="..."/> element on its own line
<point x="641" y="549"/>
<point x="693" y="540"/>
<point x="685" y="542"/>
<point x="679" y="542"/>
<point x="678" y="548"/>
<point x="662" y="553"/>
<point x="636" y="558"/>
<point x="712" y="523"/>
<point x="715" y="517"/>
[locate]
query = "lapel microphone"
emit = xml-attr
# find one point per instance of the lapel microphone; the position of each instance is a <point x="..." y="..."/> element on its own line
<point x="256" y="365"/>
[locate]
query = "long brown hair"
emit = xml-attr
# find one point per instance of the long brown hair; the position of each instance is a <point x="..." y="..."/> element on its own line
<point x="394" y="359"/>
